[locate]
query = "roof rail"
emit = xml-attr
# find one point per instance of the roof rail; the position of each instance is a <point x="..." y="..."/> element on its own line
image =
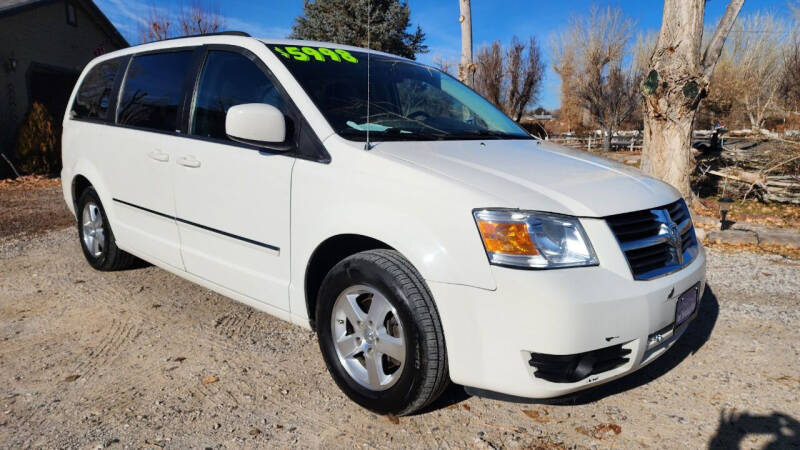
<point x="223" y="33"/>
<point x="219" y="33"/>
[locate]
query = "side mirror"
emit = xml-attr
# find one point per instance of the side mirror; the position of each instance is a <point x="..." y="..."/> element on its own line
<point x="257" y="124"/>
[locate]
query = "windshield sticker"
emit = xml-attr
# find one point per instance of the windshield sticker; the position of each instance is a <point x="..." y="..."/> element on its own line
<point x="370" y="127"/>
<point x="321" y="54"/>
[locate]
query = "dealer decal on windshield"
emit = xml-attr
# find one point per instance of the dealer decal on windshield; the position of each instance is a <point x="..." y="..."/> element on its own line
<point x="322" y="54"/>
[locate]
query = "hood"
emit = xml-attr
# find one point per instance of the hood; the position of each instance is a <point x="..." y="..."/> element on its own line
<point x="536" y="175"/>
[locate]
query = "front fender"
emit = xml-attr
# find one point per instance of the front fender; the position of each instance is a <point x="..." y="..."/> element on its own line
<point x="447" y="254"/>
<point x="426" y="218"/>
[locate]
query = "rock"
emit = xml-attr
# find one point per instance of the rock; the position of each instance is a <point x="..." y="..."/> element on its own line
<point x="733" y="237"/>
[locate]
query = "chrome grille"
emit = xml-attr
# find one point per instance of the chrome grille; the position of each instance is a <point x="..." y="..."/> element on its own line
<point x="656" y="241"/>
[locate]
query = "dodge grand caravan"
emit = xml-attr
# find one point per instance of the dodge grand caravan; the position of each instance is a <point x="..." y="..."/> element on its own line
<point x="419" y="231"/>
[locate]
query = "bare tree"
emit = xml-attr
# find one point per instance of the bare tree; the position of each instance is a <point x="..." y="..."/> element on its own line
<point x="789" y="90"/>
<point x="489" y="73"/>
<point x="564" y="54"/>
<point x="610" y="95"/>
<point x="754" y="53"/>
<point x="677" y="80"/>
<point x="510" y="78"/>
<point x="722" y="98"/>
<point x="442" y="63"/>
<point x="466" y="68"/>
<point x="199" y="18"/>
<point x="524" y="71"/>
<point x="586" y="55"/>
<point x="155" y="27"/>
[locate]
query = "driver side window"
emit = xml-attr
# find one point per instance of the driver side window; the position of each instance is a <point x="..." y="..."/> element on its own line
<point x="228" y="79"/>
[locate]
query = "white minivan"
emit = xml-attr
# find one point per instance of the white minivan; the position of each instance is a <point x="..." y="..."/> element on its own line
<point x="419" y="231"/>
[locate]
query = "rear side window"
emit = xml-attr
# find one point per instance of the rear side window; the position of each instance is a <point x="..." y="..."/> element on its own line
<point x="94" y="95"/>
<point x="153" y="90"/>
<point x="229" y="79"/>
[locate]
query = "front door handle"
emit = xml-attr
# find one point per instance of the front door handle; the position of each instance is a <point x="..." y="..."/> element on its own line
<point x="158" y="155"/>
<point x="188" y="161"/>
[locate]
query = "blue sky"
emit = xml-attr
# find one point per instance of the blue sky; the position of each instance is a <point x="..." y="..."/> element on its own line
<point x="492" y="20"/>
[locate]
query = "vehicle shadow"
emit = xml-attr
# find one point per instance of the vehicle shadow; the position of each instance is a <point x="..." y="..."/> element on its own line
<point x="696" y="335"/>
<point x="137" y="264"/>
<point x="784" y="430"/>
<point x="451" y="397"/>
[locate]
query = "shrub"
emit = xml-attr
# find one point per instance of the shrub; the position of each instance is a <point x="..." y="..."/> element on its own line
<point x="38" y="149"/>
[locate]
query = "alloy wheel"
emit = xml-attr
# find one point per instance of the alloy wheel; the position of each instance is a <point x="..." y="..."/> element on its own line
<point x="94" y="238"/>
<point x="368" y="337"/>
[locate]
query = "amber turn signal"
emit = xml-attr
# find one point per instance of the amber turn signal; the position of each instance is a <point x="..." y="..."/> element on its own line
<point x="510" y="238"/>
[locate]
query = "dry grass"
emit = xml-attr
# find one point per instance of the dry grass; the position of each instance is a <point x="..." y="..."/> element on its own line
<point x="781" y="215"/>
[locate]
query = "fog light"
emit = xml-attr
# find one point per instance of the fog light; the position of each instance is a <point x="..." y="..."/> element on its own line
<point x="655" y="339"/>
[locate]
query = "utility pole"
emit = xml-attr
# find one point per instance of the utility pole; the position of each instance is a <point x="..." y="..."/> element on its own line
<point x="466" y="68"/>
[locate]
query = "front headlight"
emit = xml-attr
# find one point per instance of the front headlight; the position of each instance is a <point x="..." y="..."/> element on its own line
<point x="534" y="239"/>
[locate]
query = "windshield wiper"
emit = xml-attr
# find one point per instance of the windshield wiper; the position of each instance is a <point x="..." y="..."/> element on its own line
<point x="495" y="134"/>
<point x="395" y="134"/>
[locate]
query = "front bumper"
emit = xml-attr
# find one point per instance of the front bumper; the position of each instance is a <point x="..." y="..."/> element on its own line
<point x="490" y="335"/>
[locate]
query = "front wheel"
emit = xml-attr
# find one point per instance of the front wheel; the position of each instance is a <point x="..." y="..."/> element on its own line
<point x="380" y="333"/>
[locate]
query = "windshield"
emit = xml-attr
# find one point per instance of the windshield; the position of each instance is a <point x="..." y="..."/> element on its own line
<point x="407" y="101"/>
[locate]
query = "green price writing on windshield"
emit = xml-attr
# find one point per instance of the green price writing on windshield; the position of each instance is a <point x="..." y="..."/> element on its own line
<point x="319" y="54"/>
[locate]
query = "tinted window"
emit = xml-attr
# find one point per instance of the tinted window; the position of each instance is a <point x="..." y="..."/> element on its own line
<point x="152" y="93"/>
<point x="94" y="96"/>
<point x="229" y="79"/>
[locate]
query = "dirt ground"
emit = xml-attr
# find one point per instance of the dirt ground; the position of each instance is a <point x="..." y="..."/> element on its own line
<point x="143" y="359"/>
<point x="32" y="205"/>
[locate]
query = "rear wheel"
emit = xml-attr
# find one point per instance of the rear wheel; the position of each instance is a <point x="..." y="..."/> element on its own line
<point x="97" y="238"/>
<point x="380" y="333"/>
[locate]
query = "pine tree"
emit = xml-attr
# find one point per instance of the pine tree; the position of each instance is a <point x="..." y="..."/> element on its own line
<point x="345" y="22"/>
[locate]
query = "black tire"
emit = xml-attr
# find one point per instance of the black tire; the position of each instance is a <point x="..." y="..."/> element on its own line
<point x="110" y="257"/>
<point x="424" y="375"/>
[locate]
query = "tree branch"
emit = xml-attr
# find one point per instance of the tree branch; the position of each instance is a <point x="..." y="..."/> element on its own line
<point x="711" y="55"/>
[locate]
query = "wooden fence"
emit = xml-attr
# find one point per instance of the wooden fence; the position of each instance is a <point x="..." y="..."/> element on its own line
<point x="595" y="143"/>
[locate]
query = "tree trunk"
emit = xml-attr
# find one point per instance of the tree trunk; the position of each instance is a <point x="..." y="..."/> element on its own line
<point x="607" y="140"/>
<point x="669" y="156"/>
<point x="676" y="82"/>
<point x="466" y="68"/>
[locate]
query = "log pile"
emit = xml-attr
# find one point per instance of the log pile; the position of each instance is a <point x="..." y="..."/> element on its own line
<point x="767" y="169"/>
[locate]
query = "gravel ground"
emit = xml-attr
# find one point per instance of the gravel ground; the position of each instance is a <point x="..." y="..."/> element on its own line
<point x="141" y="358"/>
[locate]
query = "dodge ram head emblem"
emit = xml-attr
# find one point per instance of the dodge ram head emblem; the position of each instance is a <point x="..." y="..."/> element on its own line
<point x="669" y="230"/>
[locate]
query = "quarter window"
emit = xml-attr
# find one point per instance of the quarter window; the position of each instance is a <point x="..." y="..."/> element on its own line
<point x="94" y="95"/>
<point x="153" y="90"/>
<point x="229" y="79"/>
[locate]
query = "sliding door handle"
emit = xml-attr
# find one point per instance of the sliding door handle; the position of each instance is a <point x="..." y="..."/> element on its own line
<point x="158" y="155"/>
<point x="188" y="161"/>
